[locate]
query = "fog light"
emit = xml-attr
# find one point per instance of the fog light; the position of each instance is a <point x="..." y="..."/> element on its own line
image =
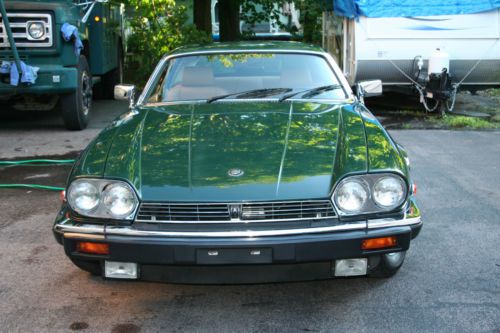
<point x="351" y="267"/>
<point x="120" y="270"/>
<point x="378" y="243"/>
<point x="92" y="248"/>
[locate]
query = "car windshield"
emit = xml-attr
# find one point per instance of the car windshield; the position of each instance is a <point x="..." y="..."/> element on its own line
<point x="244" y="75"/>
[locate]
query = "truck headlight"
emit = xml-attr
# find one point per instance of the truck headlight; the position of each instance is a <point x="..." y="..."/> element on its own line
<point x="102" y="198"/>
<point x="369" y="193"/>
<point x="36" y="30"/>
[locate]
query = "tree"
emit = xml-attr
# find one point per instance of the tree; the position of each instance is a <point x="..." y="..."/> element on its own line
<point x="202" y="13"/>
<point x="229" y="20"/>
<point x="157" y="28"/>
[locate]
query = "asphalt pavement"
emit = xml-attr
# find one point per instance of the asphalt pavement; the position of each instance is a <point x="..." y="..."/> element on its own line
<point x="450" y="281"/>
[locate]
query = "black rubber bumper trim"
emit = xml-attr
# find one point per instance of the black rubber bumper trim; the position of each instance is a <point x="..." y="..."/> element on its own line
<point x="283" y="249"/>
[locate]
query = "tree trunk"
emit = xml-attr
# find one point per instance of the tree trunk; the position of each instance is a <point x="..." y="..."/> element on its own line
<point x="308" y="25"/>
<point x="202" y="14"/>
<point x="229" y="20"/>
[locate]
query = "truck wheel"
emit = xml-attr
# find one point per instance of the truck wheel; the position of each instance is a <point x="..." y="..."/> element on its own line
<point x="386" y="265"/>
<point x="114" y="77"/>
<point x="76" y="106"/>
<point x="92" y="267"/>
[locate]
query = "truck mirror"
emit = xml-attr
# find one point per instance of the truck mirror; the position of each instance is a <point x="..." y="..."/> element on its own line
<point x="125" y="92"/>
<point x="368" y="89"/>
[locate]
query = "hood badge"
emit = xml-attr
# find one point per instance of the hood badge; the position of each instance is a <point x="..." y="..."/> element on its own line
<point x="235" y="172"/>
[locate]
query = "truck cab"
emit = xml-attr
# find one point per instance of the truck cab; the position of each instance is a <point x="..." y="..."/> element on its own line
<point x="66" y="77"/>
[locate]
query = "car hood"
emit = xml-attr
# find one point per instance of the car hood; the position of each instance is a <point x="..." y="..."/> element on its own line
<point x="236" y="151"/>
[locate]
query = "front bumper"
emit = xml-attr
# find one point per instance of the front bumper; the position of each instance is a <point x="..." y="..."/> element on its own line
<point x="283" y="254"/>
<point x="52" y="79"/>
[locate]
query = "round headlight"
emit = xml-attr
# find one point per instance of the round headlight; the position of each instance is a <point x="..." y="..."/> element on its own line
<point x="119" y="200"/>
<point x="83" y="196"/>
<point x="389" y="192"/>
<point x="351" y="196"/>
<point x="36" y="30"/>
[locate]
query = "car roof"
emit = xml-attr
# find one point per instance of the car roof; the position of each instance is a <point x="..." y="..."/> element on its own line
<point x="248" y="45"/>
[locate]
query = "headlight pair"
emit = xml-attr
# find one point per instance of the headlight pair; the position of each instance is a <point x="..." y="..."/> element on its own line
<point x="102" y="198"/>
<point x="370" y="193"/>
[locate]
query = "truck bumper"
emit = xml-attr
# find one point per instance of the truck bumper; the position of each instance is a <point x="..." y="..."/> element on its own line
<point x="221" y="258"/>
<point x="52" y="79"/>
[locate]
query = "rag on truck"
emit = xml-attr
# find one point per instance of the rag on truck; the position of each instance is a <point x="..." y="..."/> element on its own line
<point x="70" y="33"/>
<point x="28" y="76"/>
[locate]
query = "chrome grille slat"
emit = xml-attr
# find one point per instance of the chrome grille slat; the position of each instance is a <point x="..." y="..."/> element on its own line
<point x="18" y="23"/>
<point x="157" y="212"/>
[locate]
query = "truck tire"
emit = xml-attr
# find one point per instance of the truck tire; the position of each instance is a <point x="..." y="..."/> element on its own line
<point x="386" y="265"/>
<point x="76" y="106"/>
<point x="114" y="77"/>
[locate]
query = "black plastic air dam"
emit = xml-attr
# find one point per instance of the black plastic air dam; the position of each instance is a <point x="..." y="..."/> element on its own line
<point x="237" y="274"/>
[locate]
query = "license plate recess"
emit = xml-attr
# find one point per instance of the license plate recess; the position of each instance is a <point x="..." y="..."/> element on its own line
<point x="234" y="256"/>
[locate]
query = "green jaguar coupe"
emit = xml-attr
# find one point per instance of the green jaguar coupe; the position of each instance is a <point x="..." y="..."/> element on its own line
<point x="241" y="163"/>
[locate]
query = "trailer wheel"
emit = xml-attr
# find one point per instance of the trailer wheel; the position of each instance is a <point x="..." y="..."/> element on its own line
<point x="442" y="108"/>
<point x="76" y="106"/>
<point x="114" y="77"/>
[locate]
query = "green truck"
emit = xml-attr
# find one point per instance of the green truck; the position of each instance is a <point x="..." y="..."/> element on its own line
<point x="66" y="78"/>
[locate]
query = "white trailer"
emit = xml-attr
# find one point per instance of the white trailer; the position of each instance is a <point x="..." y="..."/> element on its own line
<point x="385" y="48"/>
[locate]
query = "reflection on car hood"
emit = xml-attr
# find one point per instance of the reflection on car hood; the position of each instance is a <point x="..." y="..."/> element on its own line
<point x="237" y="151"/>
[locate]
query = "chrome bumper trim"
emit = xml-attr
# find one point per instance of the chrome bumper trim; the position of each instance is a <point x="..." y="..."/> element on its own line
<point x="70" y="230"/>
<point x="120" y="231"/>
<point x="384" y="223"/>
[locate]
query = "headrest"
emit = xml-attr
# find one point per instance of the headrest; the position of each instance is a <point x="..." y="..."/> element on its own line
<point x="296" y="78"/>
<point x="197" y="76"/>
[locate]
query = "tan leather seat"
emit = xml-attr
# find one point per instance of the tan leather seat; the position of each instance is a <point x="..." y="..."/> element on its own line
<point x="299" y="78"/>
<point x="196" y="83"/>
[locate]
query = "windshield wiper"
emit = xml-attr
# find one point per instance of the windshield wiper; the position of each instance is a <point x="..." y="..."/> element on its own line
<point x="254" y="93"/>
<point x="311" y="92"/>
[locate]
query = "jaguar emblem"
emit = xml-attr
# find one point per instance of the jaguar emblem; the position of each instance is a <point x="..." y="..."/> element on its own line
<point x="235" y="172"/>
<point x="234" y="211"/>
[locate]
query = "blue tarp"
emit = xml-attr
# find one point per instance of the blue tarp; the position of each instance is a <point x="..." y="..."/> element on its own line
<point x="405" y="8"/>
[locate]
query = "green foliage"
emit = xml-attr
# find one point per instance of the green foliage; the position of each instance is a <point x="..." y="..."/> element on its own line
<point x="158" y="26"/>
<point x="465" y="122"/>
<point x="228" y="60"/>
<point x="256" y="11"/>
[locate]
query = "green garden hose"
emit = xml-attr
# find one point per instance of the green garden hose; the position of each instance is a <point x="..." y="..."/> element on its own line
<point x="35" y="161"/>
<point x="44" y="161"/>
<point x="33" y="186"/>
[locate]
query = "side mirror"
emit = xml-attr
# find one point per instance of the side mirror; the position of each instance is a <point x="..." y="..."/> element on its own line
<point x="368" y="89"/>
<point x="125" y="92"/>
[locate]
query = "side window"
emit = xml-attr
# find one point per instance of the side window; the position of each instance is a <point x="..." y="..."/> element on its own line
<point x="158" y="95"/>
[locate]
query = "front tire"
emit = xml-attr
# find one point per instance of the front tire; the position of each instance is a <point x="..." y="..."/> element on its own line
<point x="386" y="265"/>
<point x="76" y="106"/>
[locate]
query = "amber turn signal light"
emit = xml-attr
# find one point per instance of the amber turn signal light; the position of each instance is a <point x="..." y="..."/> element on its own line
<point x="378" y="243"/>
<point x="92" y="248"/>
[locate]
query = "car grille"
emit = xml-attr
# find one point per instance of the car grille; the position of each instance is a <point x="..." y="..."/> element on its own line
<point x="19" y="26"/>
<point x="235" y="212"/>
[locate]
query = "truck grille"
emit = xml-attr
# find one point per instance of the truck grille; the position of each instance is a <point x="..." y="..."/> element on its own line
<point x="235" y="212"/>
<point x="19" y="25"/>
